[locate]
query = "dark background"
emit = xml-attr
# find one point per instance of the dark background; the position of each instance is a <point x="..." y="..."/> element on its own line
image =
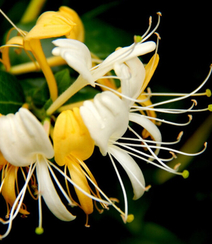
<point x="181" y="207"/>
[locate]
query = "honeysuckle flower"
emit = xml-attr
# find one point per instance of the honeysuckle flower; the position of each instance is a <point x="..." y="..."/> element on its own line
<point x="107" y="120"/>
<point x="82" y="63"/>
<point x="73" y="144"/>
<point x="25" y="143"/>
<point x="49" y="24"/>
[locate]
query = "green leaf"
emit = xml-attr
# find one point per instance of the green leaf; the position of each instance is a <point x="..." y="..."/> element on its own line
<point x="11" y="93"/>
<point x="102" y="38"/>
<point x="35" y="90"/>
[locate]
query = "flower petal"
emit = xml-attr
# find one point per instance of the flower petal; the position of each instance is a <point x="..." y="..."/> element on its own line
<point x="71" y="136"/>
<point x="77" y="56"/>
<point x="133" y="171"/>
<point x="148" y="125"/>
<point x="106" y="117"/>
<point x="122" y="55"/>
<point x="132" y="75"/>
<point x="22" y="137"/>
<point x="48" y="192"/>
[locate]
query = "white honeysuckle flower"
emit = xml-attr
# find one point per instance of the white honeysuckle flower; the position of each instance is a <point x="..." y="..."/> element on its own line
<point x="103" y="111"/>
<point x="107" y="120"/>
<point x="24" y="142"/>
<point x="69" y="50"/>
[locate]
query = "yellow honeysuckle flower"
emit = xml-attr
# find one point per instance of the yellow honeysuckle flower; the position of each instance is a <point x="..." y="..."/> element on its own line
<point x="72" y="145"/>
<point x="9" y="186"/>
<point x="49" y="24"/>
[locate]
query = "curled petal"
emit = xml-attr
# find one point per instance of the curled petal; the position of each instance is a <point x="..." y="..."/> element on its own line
<point x="133" y="171"/>
<point x="22" y="138"/>
<point x="48" y="192"/>
<point x="77" y="56"/>
<point x="106" y="117"/>
<point x="132" y="75"/>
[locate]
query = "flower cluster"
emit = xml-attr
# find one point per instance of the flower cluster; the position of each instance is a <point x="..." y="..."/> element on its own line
<point x="57" y="144"/>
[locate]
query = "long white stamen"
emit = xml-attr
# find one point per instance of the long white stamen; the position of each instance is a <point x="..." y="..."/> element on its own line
<point x="151" y="141"/>
<point x="68" y="178"/>
<point x="187" y="95"/>
<point x="170" y="122"/>
<point x="19" y="200"/>
<point x="122" y="187"/>
<point x="153" y="31"/>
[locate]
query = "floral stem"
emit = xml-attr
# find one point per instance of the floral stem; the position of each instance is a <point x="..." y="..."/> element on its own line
<point x="36" y="48"/>
<point x="74" y="88"/>
<point x="32" y="11"/>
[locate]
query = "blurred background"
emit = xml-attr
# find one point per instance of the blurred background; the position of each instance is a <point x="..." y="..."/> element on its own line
<point x="175" y="210"/>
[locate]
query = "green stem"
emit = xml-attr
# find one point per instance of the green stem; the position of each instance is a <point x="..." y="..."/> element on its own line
<point x="74" y="88"/>
<point x="32" y="11"/>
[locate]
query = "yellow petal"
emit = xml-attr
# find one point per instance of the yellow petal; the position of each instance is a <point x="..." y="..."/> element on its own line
<point x="55" y="24"/>
<point x="150" y="69"/>
<point x="71" y="136"/>
<point x="77" y="32"/>
<point x="16" y="40"/>
<point x="9" y="187"/>
<point x="79" y="178"/>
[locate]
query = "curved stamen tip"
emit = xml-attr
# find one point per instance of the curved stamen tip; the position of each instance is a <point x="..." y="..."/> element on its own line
<point x="210" y="107"/>
<point x="130" y="218"/>
<point x="185" y="174"/>
<point x="159" y="13"/>
<point x="39" y="230"/>
<point x="208" y="92"/>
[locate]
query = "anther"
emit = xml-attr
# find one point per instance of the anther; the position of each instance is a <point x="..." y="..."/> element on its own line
<point x="176" y="167"/>
<point x="173" y="154"/>
<point x="147" y="187"/>
<point x="158" y="35"/>
<point x="159" y="13"/>
<point x="194" y="101"/>
<point x="180" y="135"/>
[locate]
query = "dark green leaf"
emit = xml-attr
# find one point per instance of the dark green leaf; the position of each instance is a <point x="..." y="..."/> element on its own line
<point x="102" y="38"/>
<point x="11" y="93"/>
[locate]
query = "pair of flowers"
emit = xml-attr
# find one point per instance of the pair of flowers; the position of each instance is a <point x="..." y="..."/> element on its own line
<point x="103" y="121"/>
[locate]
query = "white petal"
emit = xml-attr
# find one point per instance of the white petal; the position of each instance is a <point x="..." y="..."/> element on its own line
<point x="132" y="75"/>
<point x="22" y="138"/>
<point x="148" y="125"/>
<point x="122" y="55"/>
<point x="77" y="56"/>
<point x="106" y="117"/>
<point x="49" y="194"/>
<point x="133" y="171"/>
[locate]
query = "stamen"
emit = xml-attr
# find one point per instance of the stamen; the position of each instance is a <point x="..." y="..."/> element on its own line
<point x="22" y="33"/>
<point x="153" y="31"/>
